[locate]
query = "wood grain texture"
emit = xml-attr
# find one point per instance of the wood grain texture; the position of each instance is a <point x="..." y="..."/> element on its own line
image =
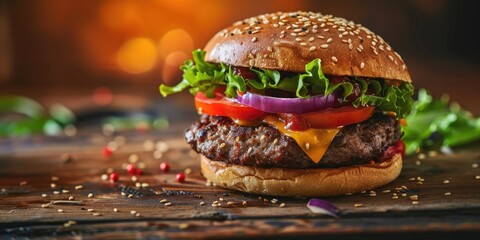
<point x="29" y="164"/>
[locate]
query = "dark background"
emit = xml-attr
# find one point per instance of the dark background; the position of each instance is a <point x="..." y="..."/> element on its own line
<point x="65" y="50"/>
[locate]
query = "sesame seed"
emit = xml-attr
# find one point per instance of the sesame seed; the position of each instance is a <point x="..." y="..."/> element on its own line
<point x="168" y="204"/>
<point x="90" y="210"/>
<point x="325" y="30"/>
<point x="358" y="205"/>
<point x="311" y="39"/>
<point x="133" y="212"/>
<point x="90" y="195"/>
<point x="446" y="181"/>
<point x="65" y="191"/>
<point x="254" y="39"/>
<point x="372" y="194"/>
<point x="297" y="30"/>
<point x="329" y="40"/>
<point x="78" y="187"/>
<point x="274" y="200"/>
<point x="386" y="191"/>
<point x="307" y="146"/>
<point x="334" y="59"/>
<point x="60" y="210"/>
<point x="312" y="48"/>
<point x="415" y="202"/>
<point x="270" y="49"/>
<point x="395" y="197"/>
<point x="414" y="197"/>
<point x="163" y="200"/>
<point x="350" y="46"/>
<point x="115" y="209"/>
<point x="447" y="194"/>
<point x="303" y="44"/>
<point x="324" y="46"/>
<point x="475" y="165"/>
<point x="362" y="65"/>
<point x="52" y="185"/>
<point x="97" y="214"/>
<point x="282" y="205"/>
<point x="46" y="205"/>
<point x="298" y="39"/>
<point x="390" y="57"/>
<point x="70" y="198"/>
<point x="477" y="177"/>
<point x="44" y="195"/>
<point x="202" y="203"/>
<point x="244" y="203"/>
<point x="230" y="203"/>
<point x="56" y="192"/>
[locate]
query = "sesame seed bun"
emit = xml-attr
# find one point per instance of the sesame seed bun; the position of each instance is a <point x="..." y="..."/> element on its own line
<point x="288" y="41"/>
<point x="302" y="182"/>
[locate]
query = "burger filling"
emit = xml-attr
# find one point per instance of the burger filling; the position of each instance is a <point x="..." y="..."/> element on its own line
<point x="270" y="118"/>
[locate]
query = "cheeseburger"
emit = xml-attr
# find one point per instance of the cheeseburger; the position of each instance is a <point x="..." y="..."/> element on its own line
<point x="297" y="104"/>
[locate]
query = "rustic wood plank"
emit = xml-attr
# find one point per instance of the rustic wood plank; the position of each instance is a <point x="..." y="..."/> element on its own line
<point x="29" y="164"/>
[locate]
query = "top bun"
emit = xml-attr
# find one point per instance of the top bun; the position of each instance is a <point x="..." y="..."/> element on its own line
<point x="288" y="41"/>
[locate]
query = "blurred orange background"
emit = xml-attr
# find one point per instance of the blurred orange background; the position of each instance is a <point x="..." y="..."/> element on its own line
<point x="54" y="50"/>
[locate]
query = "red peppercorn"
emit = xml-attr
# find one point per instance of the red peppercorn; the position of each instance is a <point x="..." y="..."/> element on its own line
<point x="114" y="177"/>
<point x="138" y="171"/>
<point x="165" y="167"/>
<point x="181" y="177"/>
<point x="131" y="169"/>
<point x="107" y="152"/>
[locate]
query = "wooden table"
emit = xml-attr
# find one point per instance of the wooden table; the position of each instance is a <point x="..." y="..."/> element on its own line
<point x="448" y="190"/>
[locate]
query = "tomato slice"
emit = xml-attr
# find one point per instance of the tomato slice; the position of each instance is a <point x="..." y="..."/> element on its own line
<point x="222" y="106"/>
<point x="335" y="117"/>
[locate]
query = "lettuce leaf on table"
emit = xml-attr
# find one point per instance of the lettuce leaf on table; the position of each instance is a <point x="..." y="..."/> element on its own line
<point x="436" y="122"/>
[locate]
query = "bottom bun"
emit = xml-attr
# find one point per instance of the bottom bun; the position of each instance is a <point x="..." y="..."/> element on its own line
<point x="302" y="182"/>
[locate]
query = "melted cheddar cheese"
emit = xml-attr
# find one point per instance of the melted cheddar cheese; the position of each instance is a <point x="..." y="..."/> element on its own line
<point x="314" y="142"/>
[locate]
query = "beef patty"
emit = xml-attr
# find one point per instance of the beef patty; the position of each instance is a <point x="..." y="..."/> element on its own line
<point x="220" y="139"/>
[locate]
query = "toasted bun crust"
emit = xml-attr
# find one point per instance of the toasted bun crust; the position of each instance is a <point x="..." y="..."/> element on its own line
<point x="301" y="182"/>
<point x="288" y="41"/>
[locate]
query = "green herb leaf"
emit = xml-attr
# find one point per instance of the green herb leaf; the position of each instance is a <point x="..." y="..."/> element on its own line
<point x="436" y="122"/>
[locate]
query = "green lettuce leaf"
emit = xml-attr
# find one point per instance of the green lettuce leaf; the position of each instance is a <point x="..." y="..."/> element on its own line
<point x="434" y="123"/>
<point x="200" y="76"/>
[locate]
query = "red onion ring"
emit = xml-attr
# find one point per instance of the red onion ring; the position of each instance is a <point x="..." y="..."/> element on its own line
<point x="288" y="105"/>
<point x="323" y="207"/>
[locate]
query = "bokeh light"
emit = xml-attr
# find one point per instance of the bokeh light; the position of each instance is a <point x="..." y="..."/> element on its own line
<point x="175" y="40"/>
<point x="102" y="96"/>
<point x="137" y="55"/>
<point x="171" y="71"/>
